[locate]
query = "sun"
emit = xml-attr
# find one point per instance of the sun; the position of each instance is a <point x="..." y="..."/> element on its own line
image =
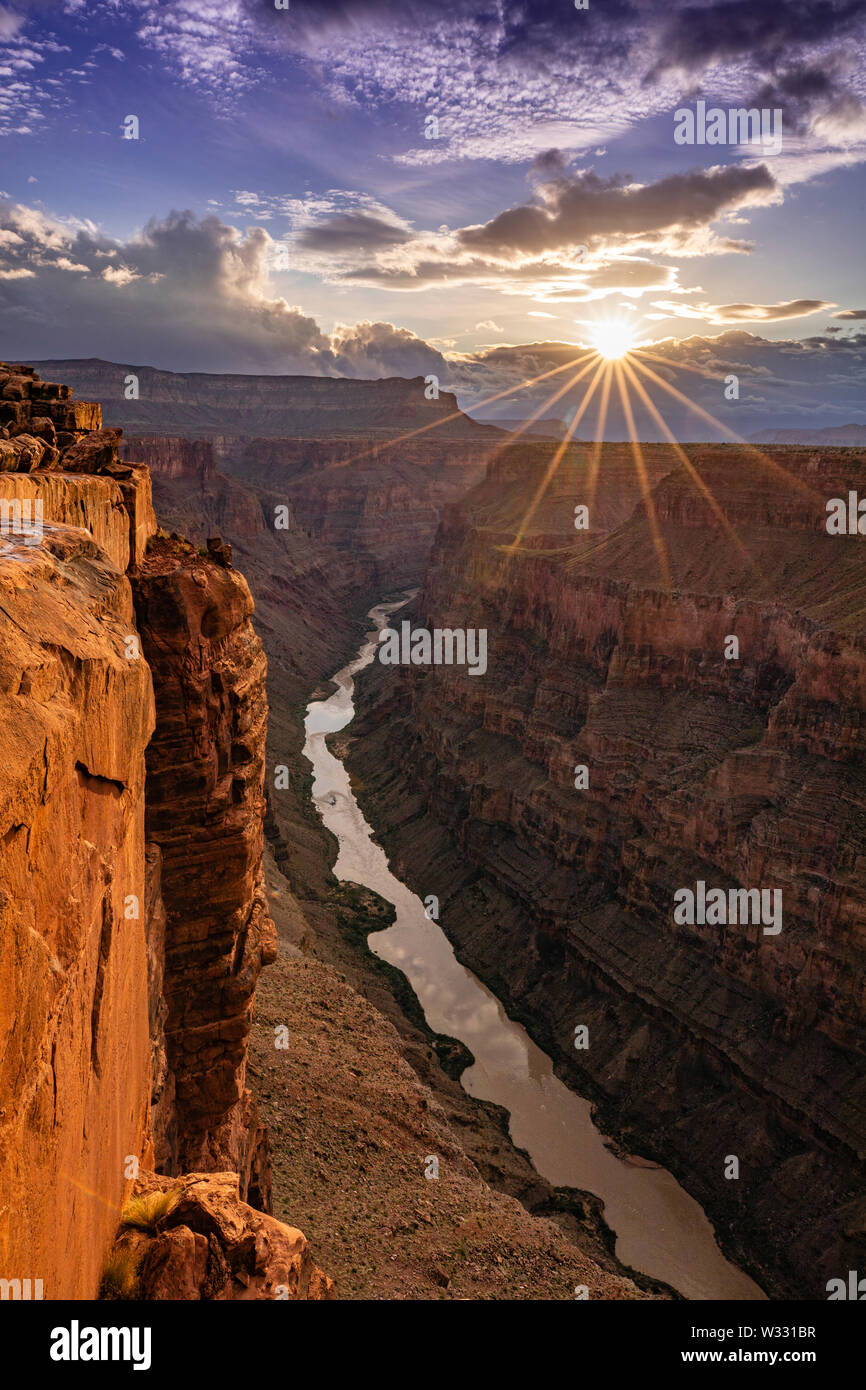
<point x="611" y="339"/>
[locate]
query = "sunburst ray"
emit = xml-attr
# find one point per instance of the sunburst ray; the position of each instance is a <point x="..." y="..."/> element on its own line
<point x="686" y="461"/>
<point x="768" y="462"/>
<point x="555" y="461"/>
<point x="646" y="490"/>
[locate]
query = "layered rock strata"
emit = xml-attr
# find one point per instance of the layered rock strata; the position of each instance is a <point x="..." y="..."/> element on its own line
<point x="205" y="807"/>
<point x="75" y="720"/>
<point x="235" y="406"/>
<point x="133" y="922"/>
<point x="606" y="652"/>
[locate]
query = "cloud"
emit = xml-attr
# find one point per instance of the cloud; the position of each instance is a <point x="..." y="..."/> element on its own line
<point x="187" y="293"/>
<point x="697" y="37"/>
<point x="184" y="290"/>
<point x="350" y="231"/>
<point x="811" y="98"/>
<point x="508" y="80"/>
<point x="194" y="294"/>
<point x="742" y="313"/>
<point x="380" y="349"/>
<point x="850" y="314"/>
<point x="791" y="382"/>
<point x="11" y="22"/>
<point x="585" y="208"/>
<point x="119" y="275"/>
<point x="212" y="47"/>
<point x="580" y="238"/>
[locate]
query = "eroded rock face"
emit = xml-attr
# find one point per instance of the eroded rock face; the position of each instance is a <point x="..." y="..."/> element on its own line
<point x="205" y="806"/>
<point x="607" y="652"/>
<point x="75" y="718"/>
<point x="118" y="514"/>
<point x="127" y="963"/>
<point x="172" y="456"/>
<point x="214" y="1246"/>
<point x="379" y="502"/>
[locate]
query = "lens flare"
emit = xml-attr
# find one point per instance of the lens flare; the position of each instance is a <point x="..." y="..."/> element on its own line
<point x="612" y="340"/>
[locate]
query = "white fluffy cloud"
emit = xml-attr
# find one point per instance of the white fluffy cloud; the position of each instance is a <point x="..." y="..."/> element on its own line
<point x="186" y="293"/>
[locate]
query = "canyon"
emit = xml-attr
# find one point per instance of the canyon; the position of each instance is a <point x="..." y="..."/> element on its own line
<point x="606" y="656"/>
<point x="180" y="773"/>
<point x="227" y="408"/>
<point x="144" y="1101"/>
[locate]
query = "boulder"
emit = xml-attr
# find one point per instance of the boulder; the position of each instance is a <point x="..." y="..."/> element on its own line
<point x="95" y="452"/>
<point x="30" y="452"/>
<point x="214" y="1247"/>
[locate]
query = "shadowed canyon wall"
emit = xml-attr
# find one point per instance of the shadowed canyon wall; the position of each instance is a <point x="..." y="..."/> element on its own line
<point x="606" y="652"/>
<point x="322" y="526"/>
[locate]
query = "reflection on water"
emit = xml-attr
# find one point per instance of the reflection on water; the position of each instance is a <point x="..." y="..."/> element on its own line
<point x="660" y="1229"/>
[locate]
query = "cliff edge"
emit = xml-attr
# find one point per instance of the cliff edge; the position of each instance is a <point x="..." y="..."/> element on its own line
<point x="133" y="918"/>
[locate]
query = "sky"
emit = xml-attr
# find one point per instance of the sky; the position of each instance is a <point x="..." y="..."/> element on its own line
<point x="473" y="190"/>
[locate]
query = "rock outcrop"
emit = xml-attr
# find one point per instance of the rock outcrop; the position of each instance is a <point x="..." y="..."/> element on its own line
<point x="213" y="1246"/>
<point x="606" y="652"/>
<point x="133" y="921"/>
<point x="205" y="808"/>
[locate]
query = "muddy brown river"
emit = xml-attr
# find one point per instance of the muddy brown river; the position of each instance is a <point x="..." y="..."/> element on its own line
<point x="659" y="1228"/>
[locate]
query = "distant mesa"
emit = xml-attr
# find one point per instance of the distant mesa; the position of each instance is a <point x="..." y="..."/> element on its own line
<point x="546" y="427"/>
<point x="207" y="405"/>
<point x="831" y="436"/>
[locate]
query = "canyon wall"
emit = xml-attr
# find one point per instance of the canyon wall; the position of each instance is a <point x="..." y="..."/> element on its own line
<point x="321" y="529"/>
<point x="606" y="653"/>
<point x="145" y="401"/>
<point x="378" y="502"/>
<point x="133" y="917"/>
<point x="205" y="808"/>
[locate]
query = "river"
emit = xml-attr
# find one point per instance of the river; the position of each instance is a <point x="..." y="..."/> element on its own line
<point x="659" y="1228"/>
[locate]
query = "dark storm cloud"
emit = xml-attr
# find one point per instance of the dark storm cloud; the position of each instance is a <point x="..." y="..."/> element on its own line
<point x="587" y="208"/>
<point x="697" y="37"/>
<point x="351" y="231"/>
<point x="519" y="24"/>
<point x="807" y="91"/>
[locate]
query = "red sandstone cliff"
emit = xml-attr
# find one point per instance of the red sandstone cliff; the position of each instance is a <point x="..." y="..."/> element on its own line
<point x="133" y="922"/>
<point x="205" y="807"/>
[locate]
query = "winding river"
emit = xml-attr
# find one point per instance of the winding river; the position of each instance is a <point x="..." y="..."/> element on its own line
<point x="659" y="1228"/>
